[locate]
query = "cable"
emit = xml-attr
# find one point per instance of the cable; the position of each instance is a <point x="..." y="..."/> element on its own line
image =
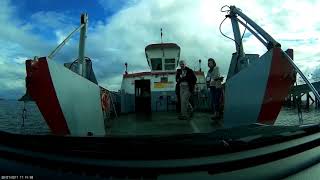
<point x="230" y="37"/>
<point x="226" y="35"/>
<point x="238" y="45"/>
<point x="223" y="22"/>
<point x="85" y="58"/>
<point x="73" y="63"/>
<point x="244" y="31"/>
<point x="225" y="10"/>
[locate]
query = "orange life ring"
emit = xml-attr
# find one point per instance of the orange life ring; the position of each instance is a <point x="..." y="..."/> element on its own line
<point x="105" y="101"/>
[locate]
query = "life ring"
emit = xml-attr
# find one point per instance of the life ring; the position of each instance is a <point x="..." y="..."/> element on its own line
<point x="105" y="101"/>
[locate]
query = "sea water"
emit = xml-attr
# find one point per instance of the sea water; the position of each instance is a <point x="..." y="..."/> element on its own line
<point x="11" y="113"/>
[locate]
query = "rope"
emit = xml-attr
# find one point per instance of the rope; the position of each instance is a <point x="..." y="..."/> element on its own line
<point x="107" y="114"/>
<point x="113" y="106"/>
<point x="224" y="7"/>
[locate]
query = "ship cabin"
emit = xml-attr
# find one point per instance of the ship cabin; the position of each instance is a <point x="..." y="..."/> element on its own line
<point x="154" y="90"/>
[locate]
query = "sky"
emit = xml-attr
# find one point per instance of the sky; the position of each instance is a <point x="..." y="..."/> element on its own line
<point x="119" y="30"/>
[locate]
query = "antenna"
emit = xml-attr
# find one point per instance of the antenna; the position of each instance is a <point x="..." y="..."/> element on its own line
<point x="126" y="64"/>
<point x="161" y="42"/>
<point x="161" y="34"/>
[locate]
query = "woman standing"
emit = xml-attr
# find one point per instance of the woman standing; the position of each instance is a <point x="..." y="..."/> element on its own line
<point x="214" y="82"/>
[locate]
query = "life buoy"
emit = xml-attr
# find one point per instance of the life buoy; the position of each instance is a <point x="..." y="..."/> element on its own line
<point x="105" y="101"/>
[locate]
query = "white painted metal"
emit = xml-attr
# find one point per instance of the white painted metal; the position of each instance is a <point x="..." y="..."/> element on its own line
<point x="234" y="11"/>
<point x="79" y="100"/>
<point x="167" y="52"/>
<point x="238" y="65"/>
<point x="128" y="83"/>
<point x="237" y="35"/>
<point x="243" y="99"/>
<point x="232" y="67"/>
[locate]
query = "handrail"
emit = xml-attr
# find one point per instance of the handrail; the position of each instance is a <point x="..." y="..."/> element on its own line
<point x="313" y="89"/>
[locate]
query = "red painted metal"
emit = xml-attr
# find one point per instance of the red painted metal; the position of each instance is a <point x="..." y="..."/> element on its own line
<point x="141" y="74"/>
<point x="41" y="89"/>
<point x="281" y="78"/>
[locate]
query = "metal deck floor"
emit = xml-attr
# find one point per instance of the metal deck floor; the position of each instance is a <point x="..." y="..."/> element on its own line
<point x="162" y="123"/>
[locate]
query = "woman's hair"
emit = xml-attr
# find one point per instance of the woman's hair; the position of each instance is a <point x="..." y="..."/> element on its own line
<point x="213" y="61"/>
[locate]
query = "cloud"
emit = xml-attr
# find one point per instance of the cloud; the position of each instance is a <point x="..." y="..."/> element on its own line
<point x="127" y="33"/>
<point x="194" y="26"/>
<point x="51" y="19"/>
<point x="12" y="73"/>
<point x="112" y="6"/>
<point x="122" y="37"/>
<point x="191" y="24"/>
<point x="18" y="42"/>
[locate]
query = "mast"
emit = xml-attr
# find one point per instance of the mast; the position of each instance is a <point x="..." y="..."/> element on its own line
<point x="82" y="63"/>
<point x="161" y="34"/>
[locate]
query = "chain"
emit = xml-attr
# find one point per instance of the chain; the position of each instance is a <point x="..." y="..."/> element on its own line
<point x="24" y="113"/>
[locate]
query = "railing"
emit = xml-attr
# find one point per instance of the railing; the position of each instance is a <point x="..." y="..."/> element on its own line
<point x="315" y="92"/>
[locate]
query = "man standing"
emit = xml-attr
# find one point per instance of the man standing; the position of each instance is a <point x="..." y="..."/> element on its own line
<point x="186" y="81"/>
<point x="214" y="80"/>
<point x="177" y="90"/>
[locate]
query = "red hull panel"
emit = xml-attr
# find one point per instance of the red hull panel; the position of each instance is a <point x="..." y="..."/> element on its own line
<point x="279" y="82"/>
<point x="41" y="89"/>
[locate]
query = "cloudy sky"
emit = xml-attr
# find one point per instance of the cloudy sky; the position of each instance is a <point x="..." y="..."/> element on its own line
<point x="119" y="30"/>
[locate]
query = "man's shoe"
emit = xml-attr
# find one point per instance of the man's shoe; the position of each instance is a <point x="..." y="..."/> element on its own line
<point x="183" y="117"/>
<point x="191" y="114"/>
<point x="214" y="118"/>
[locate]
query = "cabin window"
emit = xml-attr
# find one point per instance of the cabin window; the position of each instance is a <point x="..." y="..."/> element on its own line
<point x="170" y="64"/>
<point x="156" y="63"/>
<point x="168" y="61"/>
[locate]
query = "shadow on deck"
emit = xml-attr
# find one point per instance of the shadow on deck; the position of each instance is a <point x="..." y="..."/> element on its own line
<point x="162" y="123"/>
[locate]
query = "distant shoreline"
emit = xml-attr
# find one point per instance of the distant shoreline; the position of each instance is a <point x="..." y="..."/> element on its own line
<point x="4" y="99"/>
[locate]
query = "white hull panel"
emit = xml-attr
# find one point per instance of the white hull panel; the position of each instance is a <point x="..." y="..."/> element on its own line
<point x="244" y="93"/>
<point x="79" y="100"/>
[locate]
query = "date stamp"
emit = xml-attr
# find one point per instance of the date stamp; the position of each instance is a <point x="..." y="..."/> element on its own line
<point x="16" y="177"/>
